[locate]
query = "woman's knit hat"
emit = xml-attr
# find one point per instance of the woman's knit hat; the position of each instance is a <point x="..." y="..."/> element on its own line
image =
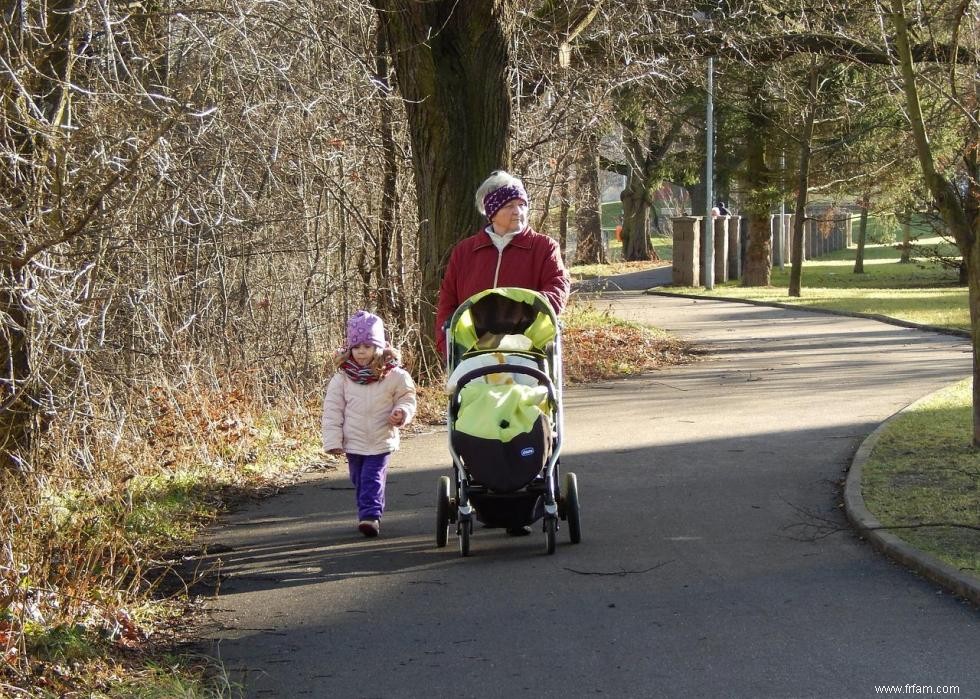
<point x="498" y="189"/>
<point x="365" y="328"/>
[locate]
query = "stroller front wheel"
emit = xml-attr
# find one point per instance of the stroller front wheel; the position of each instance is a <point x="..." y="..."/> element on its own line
<point x="463" y="529"/>
<point x="550" y="534"/>
<point x="571" y="508"/>
<point x="442" y="512"/>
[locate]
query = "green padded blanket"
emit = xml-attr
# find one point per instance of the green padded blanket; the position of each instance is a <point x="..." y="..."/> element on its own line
<point x="500" y="412"/>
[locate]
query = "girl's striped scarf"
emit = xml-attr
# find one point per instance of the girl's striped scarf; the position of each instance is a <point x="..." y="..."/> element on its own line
<point x="365" y="374"/>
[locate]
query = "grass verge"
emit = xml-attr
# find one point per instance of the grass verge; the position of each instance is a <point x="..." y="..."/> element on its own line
<point x="923" y="291"/>
<point x="923" y="479"/>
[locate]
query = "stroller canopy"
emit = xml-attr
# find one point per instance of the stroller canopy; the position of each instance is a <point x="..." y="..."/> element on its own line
<point x="489" y="315"/>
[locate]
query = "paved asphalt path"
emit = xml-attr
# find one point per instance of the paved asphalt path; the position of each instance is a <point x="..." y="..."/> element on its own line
<point x="706" y="567"/>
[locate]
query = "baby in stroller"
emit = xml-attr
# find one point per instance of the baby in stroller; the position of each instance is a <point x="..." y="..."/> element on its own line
<point x="505" y="417"/>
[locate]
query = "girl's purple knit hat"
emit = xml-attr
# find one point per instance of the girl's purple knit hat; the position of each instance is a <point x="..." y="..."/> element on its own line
<point x="365" y="328"/>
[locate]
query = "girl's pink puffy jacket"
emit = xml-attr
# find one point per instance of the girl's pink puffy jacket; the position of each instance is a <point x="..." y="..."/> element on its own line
<point x="355" y="416"/>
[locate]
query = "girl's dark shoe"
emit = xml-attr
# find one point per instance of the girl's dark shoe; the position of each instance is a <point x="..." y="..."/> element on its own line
<point x="369" y="527"/>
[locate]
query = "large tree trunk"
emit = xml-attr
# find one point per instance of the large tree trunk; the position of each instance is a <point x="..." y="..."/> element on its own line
<point x="37" y="43"/>
<point x="803" y="187"/>
<point x="565" y="204"/>
<point x="962" y="216"/>
<point x="391" y="286"/>
<point x="16" y="408"/>
<point x="647" y="142"/>
<point x="636" y="218"/>
<point x="757" y="255"/>
<point x="451" y="67"/>
<point x="590" y="249"/>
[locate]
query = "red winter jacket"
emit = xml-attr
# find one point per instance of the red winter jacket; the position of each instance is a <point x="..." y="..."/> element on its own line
<point x="531" y="260"/>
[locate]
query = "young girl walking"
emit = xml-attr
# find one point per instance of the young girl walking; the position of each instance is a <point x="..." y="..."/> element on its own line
<point x="367" y="400"/>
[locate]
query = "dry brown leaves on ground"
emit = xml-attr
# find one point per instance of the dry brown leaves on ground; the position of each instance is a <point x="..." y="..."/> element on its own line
<point x="597" y="353"/>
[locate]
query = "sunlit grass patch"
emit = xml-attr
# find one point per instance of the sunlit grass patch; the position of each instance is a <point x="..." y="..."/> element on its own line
<point x="169" y="678"/>
<point x="167" y="508"/>
<point x="924" y="470"/>
<point x="923" y="292"/>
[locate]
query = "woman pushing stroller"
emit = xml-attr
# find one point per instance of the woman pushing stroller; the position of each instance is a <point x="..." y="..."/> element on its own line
<point x="506" y="252"/>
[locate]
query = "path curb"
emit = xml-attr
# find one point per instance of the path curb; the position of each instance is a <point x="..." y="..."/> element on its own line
<point x="867" y="525"/>
<point x="871" y="529"/>
<point x="826" y="311"/>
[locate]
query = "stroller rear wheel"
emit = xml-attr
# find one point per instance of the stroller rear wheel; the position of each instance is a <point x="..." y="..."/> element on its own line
<point x="442" y="512"/>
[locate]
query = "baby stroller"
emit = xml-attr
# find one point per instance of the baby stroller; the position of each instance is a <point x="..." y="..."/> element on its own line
<point x="505" y="419"/>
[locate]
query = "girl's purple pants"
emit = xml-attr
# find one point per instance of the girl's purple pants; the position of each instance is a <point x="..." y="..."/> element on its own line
<point x="368" y="474"/>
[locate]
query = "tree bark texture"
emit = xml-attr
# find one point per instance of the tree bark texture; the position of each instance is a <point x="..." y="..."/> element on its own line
<point x="33" y="133"/>
<point x="636" y="219"/>
<point x="391" y="286"/>
<point x="16" y="408"/>
<point x="451" y="66"/>
<point x="803" y="186"/>
<point x="591" y="248"/>
<point x="647" y="143"/>
<point x="757" y="254"/>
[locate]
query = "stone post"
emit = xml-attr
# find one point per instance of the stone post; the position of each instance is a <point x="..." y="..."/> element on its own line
<point x="687" y="251"/>
<point x="721" y="249"/>
<point x="734" y="247"/>
<point x="778" y="242"/>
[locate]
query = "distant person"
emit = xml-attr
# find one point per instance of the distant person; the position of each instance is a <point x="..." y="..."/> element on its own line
<point x="367" y="400"/>
<point x="507" y="252"/>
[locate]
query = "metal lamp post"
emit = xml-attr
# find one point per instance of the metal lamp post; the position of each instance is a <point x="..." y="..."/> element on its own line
<point x="709" y="224"/>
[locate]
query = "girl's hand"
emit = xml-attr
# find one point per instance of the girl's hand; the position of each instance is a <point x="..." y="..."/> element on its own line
<point x="397" y="417"/>
<point x="335" y="451"/>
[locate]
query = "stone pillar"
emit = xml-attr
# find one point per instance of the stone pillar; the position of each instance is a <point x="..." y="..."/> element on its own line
<point x="721" y="249"/>
<point x="734" y="247"/>
<point x="849" y="231"/>
<point x="687" y="251"/>
<point x="778" y="243"/>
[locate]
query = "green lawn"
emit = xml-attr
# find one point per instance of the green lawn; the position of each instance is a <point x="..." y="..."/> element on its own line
<point x="924" y="471"/>
<point x="923" y="291"/>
